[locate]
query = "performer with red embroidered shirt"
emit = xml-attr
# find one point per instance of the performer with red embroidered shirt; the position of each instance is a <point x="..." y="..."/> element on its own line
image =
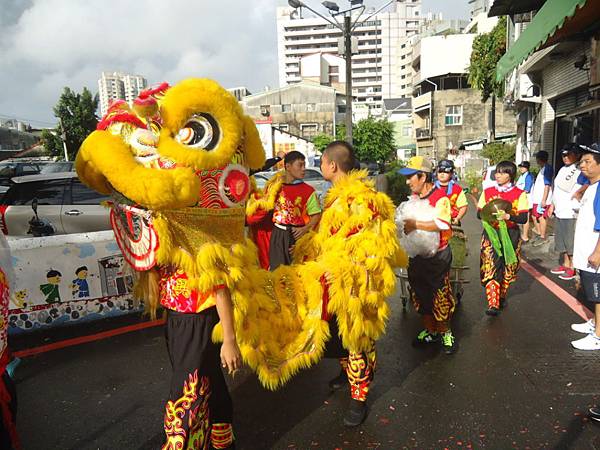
<point x="458" y="200"/>
<point x="501" y="241"/>
<point x="8" y="395"/>
<point x="296" y="211"/>
<point x="429" y="276"/>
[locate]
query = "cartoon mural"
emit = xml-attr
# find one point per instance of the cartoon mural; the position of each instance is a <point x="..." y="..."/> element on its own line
<point x="100" y="287"/>
<point x="50" y="289"/>
<point x="80" y="287"/>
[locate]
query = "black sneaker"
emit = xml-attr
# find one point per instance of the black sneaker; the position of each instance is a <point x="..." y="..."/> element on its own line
<point x="594" y="413"/>
<point x="449" y="343"/>
<point x="339" y="382"/>
<point x="357" y="411"/>
<point x="425" y="337"/>
<point x="492" y="311"/>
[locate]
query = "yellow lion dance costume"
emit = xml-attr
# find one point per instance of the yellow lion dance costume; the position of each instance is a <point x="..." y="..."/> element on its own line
<point x="176" y="166"/>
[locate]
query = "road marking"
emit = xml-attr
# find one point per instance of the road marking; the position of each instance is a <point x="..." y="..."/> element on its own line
<point x="89" y="338"/>
<point x="562" y="295"/>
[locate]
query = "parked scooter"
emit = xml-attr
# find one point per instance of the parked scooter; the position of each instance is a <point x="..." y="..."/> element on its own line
<point x="39" y="227"/>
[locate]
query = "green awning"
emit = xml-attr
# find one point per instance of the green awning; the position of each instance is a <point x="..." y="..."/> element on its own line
<point x="546" y="22"/>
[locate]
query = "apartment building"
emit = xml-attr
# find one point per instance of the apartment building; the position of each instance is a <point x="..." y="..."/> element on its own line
<point x="119" y="86"/>
<point x="377" y="72"/>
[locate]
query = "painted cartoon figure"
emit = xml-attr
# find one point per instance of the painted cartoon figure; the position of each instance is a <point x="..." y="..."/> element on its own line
<point x="20" y="297"/>
<point x="50" y="289"/>
<point x="80" y="287"/>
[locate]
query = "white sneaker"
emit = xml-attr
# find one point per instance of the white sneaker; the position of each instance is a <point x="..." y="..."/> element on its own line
<point x="585" y="328"/>
<point x="590" y="342"/>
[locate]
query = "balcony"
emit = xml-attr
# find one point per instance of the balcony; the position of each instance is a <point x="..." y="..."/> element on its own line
<point x="423" y="133"/>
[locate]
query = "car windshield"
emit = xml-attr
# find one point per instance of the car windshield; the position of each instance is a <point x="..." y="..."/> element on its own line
<point x="8" y="170"/>
<point x="57" y="167"/>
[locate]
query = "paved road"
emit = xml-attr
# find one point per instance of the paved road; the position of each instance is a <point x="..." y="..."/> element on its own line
<point x="514" y="383"/>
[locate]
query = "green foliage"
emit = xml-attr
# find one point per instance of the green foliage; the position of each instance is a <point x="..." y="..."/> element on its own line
<point x="499" y="151"/>
<point x="373" y="140"/>
<point x="77" y="113"/>
<point x="473" y="180"/>
<point x="321" y="141"/>
<point x="397" y="188"/>
<point x="487" y="50"/>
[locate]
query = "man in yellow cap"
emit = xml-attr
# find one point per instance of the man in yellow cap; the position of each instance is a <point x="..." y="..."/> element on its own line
<point x="429" y="276"/>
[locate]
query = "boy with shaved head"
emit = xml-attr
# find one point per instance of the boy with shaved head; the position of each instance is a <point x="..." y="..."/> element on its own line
<point x="360" y="219"/>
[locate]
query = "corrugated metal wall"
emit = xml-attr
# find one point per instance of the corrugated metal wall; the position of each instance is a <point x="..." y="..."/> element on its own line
<point x="559" y="78"/>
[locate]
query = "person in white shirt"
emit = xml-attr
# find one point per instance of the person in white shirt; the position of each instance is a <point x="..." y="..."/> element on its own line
<point x="541" y="196"/>
<point x="567" y="184"/>
<point x="525" y="183"/>
<point x="586" y="251"/>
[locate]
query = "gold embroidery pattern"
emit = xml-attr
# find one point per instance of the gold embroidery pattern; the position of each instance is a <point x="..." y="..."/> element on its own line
<point x="360" y="368"/>
<point x="198" y="418"/>
<point x="443" y="301"/>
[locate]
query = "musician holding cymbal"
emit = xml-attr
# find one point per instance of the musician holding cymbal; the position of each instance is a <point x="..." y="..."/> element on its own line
<point x="501" y="209"/>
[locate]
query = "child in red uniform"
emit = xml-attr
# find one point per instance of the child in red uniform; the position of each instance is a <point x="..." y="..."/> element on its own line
<point x="498" y="271"/>
<point x="430" y="277"/>
<point x="458" y="201"/>
<point x="297" y="211"/>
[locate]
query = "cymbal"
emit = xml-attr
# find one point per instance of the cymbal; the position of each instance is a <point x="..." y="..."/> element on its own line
<point x="488" y="212"/>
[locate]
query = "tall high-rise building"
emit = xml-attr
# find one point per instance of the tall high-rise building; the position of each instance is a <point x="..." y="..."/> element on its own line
<point x="381" y="65"/>
<point x="119" y="86"/>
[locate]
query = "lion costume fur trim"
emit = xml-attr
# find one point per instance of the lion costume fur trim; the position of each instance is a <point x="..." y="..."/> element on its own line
<point x="264" y="200"/>
<point x="356" y="246"/>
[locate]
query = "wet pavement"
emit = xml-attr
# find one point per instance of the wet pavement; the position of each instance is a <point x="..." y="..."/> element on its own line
<point x="515" y="382"/>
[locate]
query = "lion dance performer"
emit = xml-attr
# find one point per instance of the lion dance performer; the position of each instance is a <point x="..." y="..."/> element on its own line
<point x="177" y="166"/>
<point x="361" y="218"/>
<point x="501" y="209"/>
<point x="8" y="395"/>
<point x="429" y="276"/>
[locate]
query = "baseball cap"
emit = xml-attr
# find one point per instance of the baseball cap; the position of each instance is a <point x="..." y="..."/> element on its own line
<point x="416" y="164"/>
<point x="542" y="154"/>
<point x="446" y="166"/>
<point x="593" y="148"/>
<point x="569" y="148"/>
<point x="525" y="164"/>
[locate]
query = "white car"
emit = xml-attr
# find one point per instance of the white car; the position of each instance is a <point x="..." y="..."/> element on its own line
<point x="313" y="177"/>
<point x="69" y="205"/>
<point x="489" y="177"/>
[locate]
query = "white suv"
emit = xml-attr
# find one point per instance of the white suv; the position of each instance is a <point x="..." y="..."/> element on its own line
<point x="69" y="205"/>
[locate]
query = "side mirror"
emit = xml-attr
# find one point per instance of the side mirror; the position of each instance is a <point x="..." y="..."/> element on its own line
<point x="34" y="205"/>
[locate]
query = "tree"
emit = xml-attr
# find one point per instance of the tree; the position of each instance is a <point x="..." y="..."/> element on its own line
<point x="373" y="140"/>
<point x="487" y="50"/>
<point x="321" y="141"/>
<point x="499" y="151"/>
<point x="77" y="119"/>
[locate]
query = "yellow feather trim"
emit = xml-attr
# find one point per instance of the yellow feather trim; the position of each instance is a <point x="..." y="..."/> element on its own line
<point x="265" y="199"/>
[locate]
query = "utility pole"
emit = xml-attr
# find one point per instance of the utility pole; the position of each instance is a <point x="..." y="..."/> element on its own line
<point x="348" y="56"/>
<point x="63" y="138"/>
<point x="347" y="29"/>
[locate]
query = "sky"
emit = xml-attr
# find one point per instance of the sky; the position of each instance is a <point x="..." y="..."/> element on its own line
<point x="46" y="45"/>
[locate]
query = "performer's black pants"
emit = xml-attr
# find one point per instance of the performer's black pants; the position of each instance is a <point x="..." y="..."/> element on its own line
<point x="199" y="407"/>
<point x="279" y="249"/>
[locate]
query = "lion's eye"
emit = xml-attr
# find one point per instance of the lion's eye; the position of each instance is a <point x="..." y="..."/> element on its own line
<point x="200" y="131"/>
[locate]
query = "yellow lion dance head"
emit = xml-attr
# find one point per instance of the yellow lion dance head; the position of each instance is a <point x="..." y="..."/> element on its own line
<point x="158" y="153"/>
